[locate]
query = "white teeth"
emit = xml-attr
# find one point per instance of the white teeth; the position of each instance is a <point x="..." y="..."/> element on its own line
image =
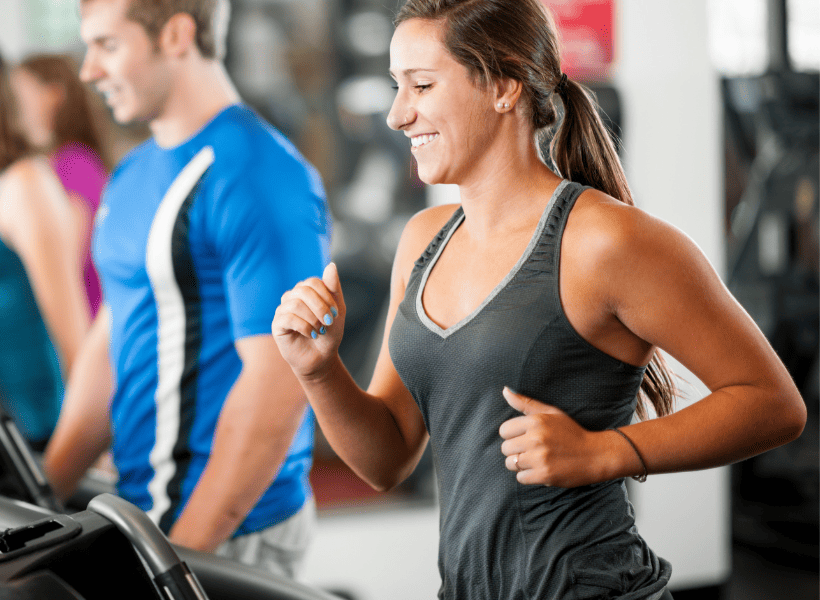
<point x="420" y="140"/>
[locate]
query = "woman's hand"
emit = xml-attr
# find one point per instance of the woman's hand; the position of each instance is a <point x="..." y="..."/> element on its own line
<point x="309" y="323"/>
<point x="546" y="446"/>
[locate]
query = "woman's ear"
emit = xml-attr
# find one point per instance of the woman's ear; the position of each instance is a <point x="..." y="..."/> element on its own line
<point x="507" y="94"/>
<point x="178" y="36"/>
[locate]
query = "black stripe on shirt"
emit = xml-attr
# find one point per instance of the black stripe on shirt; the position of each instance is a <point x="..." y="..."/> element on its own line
<point x="186" y="278"/>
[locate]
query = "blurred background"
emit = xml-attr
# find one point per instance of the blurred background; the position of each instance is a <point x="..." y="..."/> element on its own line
<point x="715" y="104"/>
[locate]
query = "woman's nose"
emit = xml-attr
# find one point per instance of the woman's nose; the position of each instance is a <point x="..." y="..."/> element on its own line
<point x="400" y="115"/>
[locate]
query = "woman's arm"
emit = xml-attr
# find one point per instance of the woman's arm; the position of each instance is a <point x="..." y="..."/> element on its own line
<point x="39" y="225"/>
<point x="380" y="433"/>
<point x="657" y="286"/>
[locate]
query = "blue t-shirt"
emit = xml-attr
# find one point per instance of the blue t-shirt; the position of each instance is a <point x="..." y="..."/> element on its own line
<point x="195" y="246"/>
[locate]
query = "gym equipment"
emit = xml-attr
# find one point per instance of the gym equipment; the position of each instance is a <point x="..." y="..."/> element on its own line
<point x="772" y="133"/>
<point x="110" y="550"/>
<point x="21" y="477"/>
<point x="171" y="574"/>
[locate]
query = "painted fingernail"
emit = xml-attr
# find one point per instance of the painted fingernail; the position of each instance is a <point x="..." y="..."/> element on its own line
<point x="328" y="320"/>
<point x="313" y="334"/>
<point x="322" y="330"/>
<point x="334" y="311"/>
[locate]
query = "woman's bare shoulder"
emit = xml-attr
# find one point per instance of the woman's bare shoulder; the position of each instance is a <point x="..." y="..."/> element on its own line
<point x="603" y="228"/>
<point x="31" y="194"/>
<point x="27" y="169"/>
<point x="27" y="177"/>
<point x="425" y="224"/>
<point x="619" y="247"/>
<point x="418" y="233"/>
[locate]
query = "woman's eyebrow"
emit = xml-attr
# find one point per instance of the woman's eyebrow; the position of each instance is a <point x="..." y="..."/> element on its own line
<point x="407" y="72"/>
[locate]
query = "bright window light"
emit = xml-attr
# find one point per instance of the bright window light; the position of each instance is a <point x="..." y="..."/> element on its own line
<point x="737" y="36"/>
<point x="804" y="34"/>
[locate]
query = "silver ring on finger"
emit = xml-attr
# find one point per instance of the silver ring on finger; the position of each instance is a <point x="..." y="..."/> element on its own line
<point x="515" y="462"/>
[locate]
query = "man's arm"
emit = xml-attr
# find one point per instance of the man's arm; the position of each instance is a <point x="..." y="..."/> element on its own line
<point x="255" y="429"/>
<point x="84" y="429"/>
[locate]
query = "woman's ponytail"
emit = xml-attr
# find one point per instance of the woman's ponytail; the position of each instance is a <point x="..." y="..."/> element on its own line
<point x="582" y="148"/>
<point x="583" y="151"/>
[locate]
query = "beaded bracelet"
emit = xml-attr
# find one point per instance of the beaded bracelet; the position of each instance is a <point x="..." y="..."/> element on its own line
<point x="640" y="478"/>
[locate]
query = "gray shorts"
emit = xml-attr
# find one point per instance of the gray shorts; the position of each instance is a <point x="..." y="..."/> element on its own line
<point x="279" y="549"/>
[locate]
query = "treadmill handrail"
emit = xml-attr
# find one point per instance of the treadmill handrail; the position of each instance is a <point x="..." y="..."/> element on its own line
<point x="140" y="530"/>
<point x="171" y="575"/>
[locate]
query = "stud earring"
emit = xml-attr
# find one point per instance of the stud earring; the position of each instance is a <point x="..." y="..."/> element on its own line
<point x="500" y="105"/>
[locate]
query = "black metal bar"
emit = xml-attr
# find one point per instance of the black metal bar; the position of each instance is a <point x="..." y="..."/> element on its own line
<point x="25" y="468"/>
<point x="778" y="36"/>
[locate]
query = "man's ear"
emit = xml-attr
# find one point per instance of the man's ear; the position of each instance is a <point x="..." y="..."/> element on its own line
<point x="178" y="35"/>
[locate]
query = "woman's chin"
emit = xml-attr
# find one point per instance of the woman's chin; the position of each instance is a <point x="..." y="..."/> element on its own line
<point x="429" y="177"/>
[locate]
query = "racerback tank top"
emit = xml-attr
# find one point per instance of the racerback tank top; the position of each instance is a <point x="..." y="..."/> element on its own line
<point x="500" y="539"/>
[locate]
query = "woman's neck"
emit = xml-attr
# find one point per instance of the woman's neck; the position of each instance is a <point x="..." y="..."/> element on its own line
<point x="509" y="196"/>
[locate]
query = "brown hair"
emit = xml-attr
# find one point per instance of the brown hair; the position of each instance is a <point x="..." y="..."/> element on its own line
<point x="12" y="143"/>
<point x="210" y="17"/>
<point x="74" y="121"/>
<point x="517" y="39"/>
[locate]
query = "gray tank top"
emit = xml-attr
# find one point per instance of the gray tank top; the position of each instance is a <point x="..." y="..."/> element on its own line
<point x="501" y="540"/>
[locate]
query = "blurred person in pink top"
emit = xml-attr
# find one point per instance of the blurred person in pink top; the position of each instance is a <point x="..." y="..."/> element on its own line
<point x="56" y="116"/>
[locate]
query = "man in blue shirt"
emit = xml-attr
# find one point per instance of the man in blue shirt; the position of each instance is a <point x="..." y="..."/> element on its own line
<point x="201" y="230"/>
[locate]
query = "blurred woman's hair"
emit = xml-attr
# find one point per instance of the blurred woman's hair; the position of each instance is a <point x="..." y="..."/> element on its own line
<point x="13" y="144"/>
<point x="75" y="119"/>
<point x="517" y="39"/>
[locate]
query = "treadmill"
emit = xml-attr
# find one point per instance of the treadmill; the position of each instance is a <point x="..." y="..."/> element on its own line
<point x="109" y="550"/>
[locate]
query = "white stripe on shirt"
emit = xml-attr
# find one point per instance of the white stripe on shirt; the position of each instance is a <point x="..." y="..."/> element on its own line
<point x="170" y="328"/>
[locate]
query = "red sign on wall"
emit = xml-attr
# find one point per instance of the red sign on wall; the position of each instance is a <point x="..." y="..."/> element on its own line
<point x="586" y="29"/>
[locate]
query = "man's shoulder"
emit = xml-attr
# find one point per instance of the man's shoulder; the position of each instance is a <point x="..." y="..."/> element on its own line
<point x="252" y="155"/>
<point x="244" y="140"/>
<point x="133" y="159"/>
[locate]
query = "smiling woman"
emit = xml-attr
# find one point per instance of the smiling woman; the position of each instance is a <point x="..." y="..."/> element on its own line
<point x="525" y="326"/>
<point x="437" y="107"/>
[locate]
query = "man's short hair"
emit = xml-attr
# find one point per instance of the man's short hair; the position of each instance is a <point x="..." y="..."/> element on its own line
<point x="210" y="16"/>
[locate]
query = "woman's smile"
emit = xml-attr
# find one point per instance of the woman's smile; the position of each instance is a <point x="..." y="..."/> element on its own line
<point x="417" y="141"/>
